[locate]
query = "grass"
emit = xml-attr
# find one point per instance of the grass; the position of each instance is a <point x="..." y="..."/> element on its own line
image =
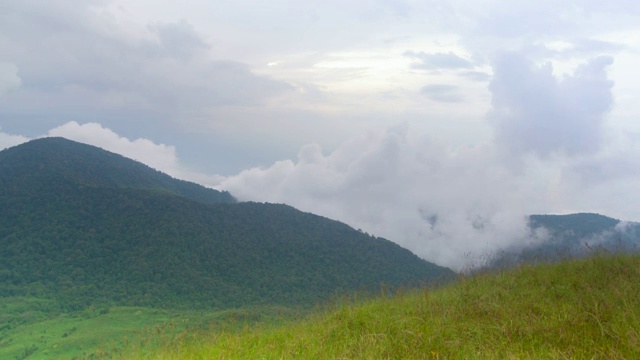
<point x="33" y="328"/>
<point x="68" y="336"/>
<point x="577" y="309"/>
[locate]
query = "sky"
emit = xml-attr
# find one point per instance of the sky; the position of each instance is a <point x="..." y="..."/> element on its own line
<point x="436" y="124"/>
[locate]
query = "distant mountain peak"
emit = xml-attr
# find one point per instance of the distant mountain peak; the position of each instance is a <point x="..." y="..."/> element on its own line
<point x="569" y="236"/>
<point x="587" y="222"/>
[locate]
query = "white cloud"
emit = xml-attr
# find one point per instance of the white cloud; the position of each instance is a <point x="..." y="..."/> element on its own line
<point x="534" y="112"/>
<point x="8" y="140"/>
<point x="440" y="203"/>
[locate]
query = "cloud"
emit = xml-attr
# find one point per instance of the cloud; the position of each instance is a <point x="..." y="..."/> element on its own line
<point x="433" y="61"/>
<point x="442" y="93"/>
<point x="9" y="78"/>
<point x="179" y="39"/>
<point x="584" y="46"/>
<point x="8" y="140"/>
<point x="545" y="18"/>
<point x="475" y="75"/>
<point x="571" y="49"/>
<point x="534" y="112"/>
<point x="77" y="62"/>
<point x="398" y="7"/>
<point x="608" y="179"/>
<point x="446" y="205"/>
<point x="619" y="164"/>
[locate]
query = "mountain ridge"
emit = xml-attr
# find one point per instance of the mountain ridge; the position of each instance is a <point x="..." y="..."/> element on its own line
<point x="83" y="234"/>
<point x="54" y="158"/>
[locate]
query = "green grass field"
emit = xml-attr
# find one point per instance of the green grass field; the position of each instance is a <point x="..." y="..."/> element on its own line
<point x="34" y="329"/>
<point x="578" y="309"/>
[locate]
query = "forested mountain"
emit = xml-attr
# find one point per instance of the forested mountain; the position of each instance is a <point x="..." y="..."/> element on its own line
<point x="85" y="226"/>
<point x="48" y="163"/>
<point x="572" y="235"/>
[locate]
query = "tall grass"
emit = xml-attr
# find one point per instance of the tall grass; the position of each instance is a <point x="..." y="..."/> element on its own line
<point x="577" y="309"/>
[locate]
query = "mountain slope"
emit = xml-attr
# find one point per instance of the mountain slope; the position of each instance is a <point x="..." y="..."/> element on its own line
<point x="46" y="163"/>
<point x="573" y="235"/>
<point x="84" y="234"/>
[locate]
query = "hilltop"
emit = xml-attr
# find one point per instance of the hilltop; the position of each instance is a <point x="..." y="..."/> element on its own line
<point x="84" y="226"/>
<point x="54" y="164"/>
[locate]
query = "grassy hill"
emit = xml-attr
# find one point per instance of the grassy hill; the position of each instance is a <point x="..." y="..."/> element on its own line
<point x="576" y="309"/>
<point x="86" y="227"/>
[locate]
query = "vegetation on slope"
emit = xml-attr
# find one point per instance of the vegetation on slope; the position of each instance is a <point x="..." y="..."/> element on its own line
<point x="34" y="329"/>
<point x="86" y="227"/>
<point x="48" y="164"/>
<point x="578" y="309"/>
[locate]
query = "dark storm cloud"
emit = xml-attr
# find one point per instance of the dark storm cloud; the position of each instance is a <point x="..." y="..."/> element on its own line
<point x="535" y="112"/>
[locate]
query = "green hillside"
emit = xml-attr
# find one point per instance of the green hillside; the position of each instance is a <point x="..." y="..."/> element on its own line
<point x="578" y="309"/>
<point x="86" y="227"/>
<point x="50" y="164"/>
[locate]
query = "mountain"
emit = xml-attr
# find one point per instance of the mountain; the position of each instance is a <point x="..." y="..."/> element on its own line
<point x="570" y="236"/>
<point x="85" y="226"/>
<point x="48" y="163"/>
